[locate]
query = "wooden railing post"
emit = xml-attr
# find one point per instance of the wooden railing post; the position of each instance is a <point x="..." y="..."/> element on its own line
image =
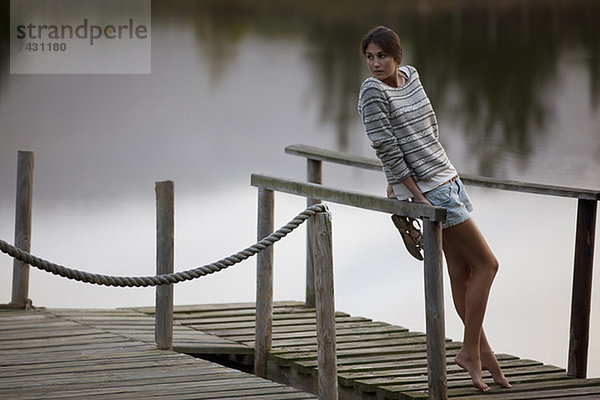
<point x="165" y="251"/>
<point x="325" y="304"/>
<point x="20" y="284"/>
<point x="323" y="264"/>
<point x="314" y="174"/>
<point x="582" y="288"/>
<point x="434" y="310"/>
<point x="264" y="285"/>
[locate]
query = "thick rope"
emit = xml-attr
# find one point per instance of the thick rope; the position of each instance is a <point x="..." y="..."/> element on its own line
<point x="164" y="279"/>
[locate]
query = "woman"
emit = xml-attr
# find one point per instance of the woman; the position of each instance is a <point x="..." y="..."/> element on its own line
<point x="403" y="130"/>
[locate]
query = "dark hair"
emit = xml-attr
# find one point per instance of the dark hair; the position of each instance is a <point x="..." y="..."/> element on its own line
<point x="385" y="38"/>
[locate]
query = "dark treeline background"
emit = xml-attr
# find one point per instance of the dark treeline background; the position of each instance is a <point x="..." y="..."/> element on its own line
<point x="486" y="64"/>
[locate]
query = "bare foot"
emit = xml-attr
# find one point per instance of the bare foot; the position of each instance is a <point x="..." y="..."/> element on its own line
<point x="489" y="362"/>
<point x="473" y="367"/>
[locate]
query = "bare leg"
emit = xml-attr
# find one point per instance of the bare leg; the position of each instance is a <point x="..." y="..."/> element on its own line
<point x="472" y="267"/>
<point x="460" y="275"/>
<point x="489" y="362"/>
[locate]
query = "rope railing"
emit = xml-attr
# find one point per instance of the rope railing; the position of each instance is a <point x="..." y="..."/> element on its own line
<point x="145" y="281"/>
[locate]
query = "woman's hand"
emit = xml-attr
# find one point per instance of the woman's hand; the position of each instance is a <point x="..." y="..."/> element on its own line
<point x="390" y="192"/>
<point x="422" y="200"/>
<point x="418" y="196"/>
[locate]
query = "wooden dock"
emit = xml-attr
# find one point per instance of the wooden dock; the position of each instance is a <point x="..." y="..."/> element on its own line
<point x="106" y="354"/>
<point x="376" y="360"/>
<point x="95" y="354"/>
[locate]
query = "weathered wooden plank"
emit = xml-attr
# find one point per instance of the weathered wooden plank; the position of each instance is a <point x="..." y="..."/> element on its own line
<point x="584" y="393"/>
<point x="348" y="197"/>
<point x="8" y="313"/>
<point x="186" y="376"/>
<point x="234" y="325"/>
<point x="10" y="365"/>
<point x="229" y="385"/>
<point x="27" y="335"/>
<point x="96" y="317"/>
<point x="366" y="328"/>
<point x="92" y="312"/>
<point x="84" y="348"/>
<point x="410" y="368"/>
<point x="458" y="378"/>
<point x="212" y="313"/>
<point x="277" y="396"/>
<point x="35" y="326"/>
<point x="540" y="390"/>
<point x="354" y="343"/>
<point x="218" y="307"/>
<point x="200" y="372"/>
<point x="203" y="349"/>
<point x="378" y="351"/>
<point x="368" y="339"/>
<point x="95" y="377"/>
<point x="236" y="396"/>
<point x="40" y="343"/>
<point x="308" y="362"/>
<point x="362" y="360"/>
<point x="180" y="334"/>
<point x="338" y="157"/>
<point x="250" y="392"/>
<point x="356" y="346"/>
<point x="115" y="365"/>
<point x="276" y="393"/>
<point x="394" y="366"/>
<point x="418" y="368"/>
<point x="344" y="322"/>
<point x="419" y="391"/>
<point x="50" y="359"/>
<point x="112" y="367"/>
<point x="278" y="315"/>
<point x="532" y="188"/>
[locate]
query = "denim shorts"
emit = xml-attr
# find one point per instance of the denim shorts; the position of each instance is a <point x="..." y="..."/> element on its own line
<point x="453" y="197"/>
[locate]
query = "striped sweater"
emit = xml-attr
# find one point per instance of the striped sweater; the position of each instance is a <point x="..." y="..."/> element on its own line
<point x="402" y="127"/>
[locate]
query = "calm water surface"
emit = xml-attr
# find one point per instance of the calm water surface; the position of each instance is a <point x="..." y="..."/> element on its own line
<point x="516" y="87"/>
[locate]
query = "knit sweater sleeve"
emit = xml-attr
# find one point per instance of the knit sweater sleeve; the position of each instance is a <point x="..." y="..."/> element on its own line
<point x="374" y="111"/>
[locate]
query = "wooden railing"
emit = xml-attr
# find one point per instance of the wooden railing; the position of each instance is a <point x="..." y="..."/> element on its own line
<point x="584" y="240"/>
<point x="321" y="278"/>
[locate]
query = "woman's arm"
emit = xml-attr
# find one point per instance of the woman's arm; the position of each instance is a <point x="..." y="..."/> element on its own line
<point x="373" y="107"/>
<point x="414" y="189"/>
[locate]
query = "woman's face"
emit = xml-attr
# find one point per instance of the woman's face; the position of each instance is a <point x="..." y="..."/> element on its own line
<point x="382" y="65"/>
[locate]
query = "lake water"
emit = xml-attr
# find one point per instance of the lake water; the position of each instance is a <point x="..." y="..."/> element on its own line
<point x="516" y="86"/>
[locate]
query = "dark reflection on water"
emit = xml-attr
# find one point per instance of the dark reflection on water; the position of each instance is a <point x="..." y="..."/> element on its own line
<point x="498" y="60"/>
<point x="489" y="66"/>
<point x="504" y="62"/>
